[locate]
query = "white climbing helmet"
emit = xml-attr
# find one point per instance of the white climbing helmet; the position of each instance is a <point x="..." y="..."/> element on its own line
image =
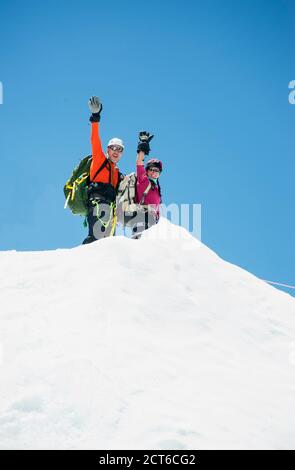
<point x="116" y="141"/>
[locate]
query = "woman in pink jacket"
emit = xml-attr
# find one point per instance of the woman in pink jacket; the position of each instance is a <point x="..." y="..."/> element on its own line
<point x="148" y="188"/>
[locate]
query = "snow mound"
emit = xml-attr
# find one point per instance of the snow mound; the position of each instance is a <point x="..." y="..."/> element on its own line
<point x="155" y="343"/>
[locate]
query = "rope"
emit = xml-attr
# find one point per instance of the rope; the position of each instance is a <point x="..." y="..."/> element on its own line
<point x="112" y="217"/>
<point x="279" y="284"/>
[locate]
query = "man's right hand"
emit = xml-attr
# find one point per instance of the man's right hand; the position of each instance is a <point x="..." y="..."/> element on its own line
<point x="95" y="107"/>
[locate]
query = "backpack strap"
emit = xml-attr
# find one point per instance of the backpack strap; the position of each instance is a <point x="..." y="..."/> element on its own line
<point x="107" y="164"/>
<point x="159" y="188"/>
<point x="103" y="165"/>
<point x="110" y="171"/>
<point x="120" y="178"/>
<point x="146" y="191"/>
<point x="126" y="188"/>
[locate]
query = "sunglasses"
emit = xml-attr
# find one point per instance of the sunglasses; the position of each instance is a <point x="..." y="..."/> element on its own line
<point x="156" y="170"/>
<point x="116" y="147"/>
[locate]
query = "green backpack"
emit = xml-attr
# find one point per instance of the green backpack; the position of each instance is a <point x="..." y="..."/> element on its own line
<point x="76" y="188"/>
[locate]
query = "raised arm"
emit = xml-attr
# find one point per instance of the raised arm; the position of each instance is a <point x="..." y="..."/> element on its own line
<point x="140" y="158"/>
<point x="97" y="151"/>
<point x="140" y="171"/>
<point x="98" y="155"/>
<point x="141" y="174"/>
<point x="143" y="147"/>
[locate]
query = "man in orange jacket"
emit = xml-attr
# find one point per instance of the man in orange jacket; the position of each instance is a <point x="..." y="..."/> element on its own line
<point x="104" y="180"/>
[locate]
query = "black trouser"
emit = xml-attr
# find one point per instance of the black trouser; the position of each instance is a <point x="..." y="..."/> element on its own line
<point x="101" y="213"/>
<point x="139" y="221"/>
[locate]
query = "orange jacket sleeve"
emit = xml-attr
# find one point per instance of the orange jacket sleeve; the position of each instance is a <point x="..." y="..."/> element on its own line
<point x="98" y="156"/>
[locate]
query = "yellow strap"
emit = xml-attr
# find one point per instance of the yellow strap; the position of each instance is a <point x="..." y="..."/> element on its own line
<point x="73" y="188"/>
<point x="114" y="222"/>
<point x="78" y="181"/>
<point x="73" y="191"/>
<point x="82" y="178"/>
<point x="67" y="201"/>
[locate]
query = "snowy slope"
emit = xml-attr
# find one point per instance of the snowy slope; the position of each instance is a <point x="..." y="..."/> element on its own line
<point x="156" y="344"/>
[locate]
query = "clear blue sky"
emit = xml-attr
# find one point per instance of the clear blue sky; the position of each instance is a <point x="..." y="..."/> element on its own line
<point x="209" y="79"/>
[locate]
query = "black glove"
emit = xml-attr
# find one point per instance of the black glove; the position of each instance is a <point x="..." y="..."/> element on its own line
<point x="143" y="147"/>
<point x="144" y="142"/>
<point x="145" y="136"/>
<point x="95" y="107"/>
